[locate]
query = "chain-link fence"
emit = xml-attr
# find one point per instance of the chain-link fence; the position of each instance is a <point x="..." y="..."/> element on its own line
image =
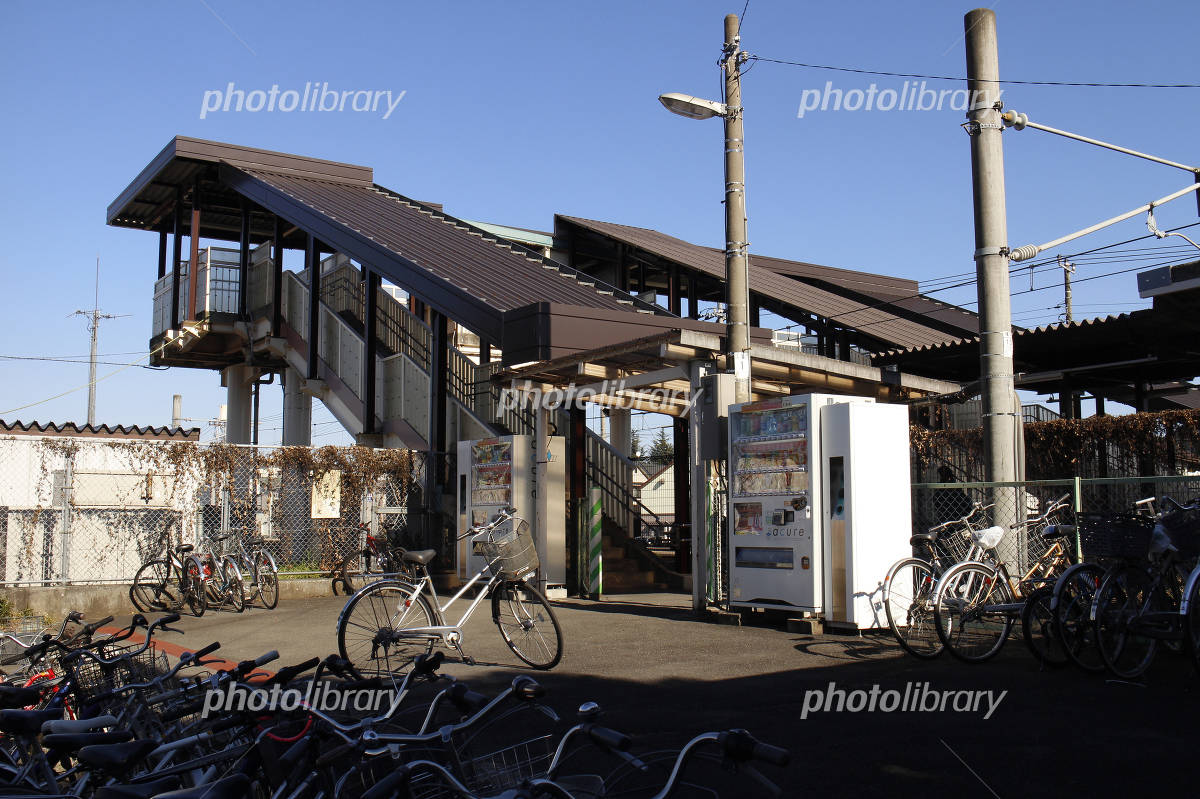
<point x="1022" y="508"/>
<point x="78" y="510"/>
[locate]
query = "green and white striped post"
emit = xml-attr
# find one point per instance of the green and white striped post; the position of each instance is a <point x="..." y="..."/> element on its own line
<point x="593" y="572"/>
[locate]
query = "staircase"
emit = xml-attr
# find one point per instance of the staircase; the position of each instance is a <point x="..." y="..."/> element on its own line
<point x="404" y="343"/>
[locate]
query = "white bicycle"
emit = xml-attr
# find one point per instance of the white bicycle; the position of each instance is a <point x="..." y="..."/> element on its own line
<point x="389" y="622"/>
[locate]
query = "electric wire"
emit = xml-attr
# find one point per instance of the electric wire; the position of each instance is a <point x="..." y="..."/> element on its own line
<point x="857" y="71"/>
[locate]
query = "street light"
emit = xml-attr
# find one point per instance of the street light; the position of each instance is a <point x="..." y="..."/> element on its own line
<point x="692" y="107"/>
<point x="736" y="264"/>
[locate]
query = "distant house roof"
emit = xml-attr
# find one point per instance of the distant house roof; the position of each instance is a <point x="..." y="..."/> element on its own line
<point x="71" y="429"/>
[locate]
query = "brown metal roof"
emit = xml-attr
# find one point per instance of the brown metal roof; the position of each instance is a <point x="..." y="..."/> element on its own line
<point x="480" y="265"/>
<point x="848" y="312"/>
<point x="101" y="431"/>
<point x="1105" y="355"/>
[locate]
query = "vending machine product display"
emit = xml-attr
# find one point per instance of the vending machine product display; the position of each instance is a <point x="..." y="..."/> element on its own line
<point x="789" y="530"/>
<point x="494" y="473"/>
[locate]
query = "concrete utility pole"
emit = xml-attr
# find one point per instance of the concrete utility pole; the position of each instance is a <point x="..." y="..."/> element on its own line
<point x="93" y="316"/>
<point x="1000" y="418"/>
<point x="736" y="244"/>
<point x="1068" y="270"/>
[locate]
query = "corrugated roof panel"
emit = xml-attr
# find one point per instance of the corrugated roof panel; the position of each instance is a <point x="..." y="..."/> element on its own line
<point x="479" y="265"/>
<point x="851" y="313"/>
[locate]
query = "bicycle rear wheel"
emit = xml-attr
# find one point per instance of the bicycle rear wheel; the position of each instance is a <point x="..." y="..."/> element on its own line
<point x="378" y="629"/>
<point x="152" y="590"/>
<point x="908" y="601"/>
<point x="527" y="624"/>
<point x="1038" y="628"/>
<point x="1122" y="598"/>
<point x="194" y="593"/>
<point x="964" y="611"/>
<point x="1074" y="593"/>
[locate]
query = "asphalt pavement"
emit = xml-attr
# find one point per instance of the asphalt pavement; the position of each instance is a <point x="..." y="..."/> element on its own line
<point x="901" y="727"/>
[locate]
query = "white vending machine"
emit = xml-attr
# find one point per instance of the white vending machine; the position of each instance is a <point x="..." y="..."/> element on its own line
<point x="507" y="470"/>
<point x="794" y="464"/>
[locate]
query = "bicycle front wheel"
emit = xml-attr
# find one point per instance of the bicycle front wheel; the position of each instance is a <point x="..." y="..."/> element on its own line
<point x="1191" y="618"/>
<point x="527" y="624"/>
<point x="1123" y="597"/>
<point x="1074" y="593"/>
<point x="380" y="628"/>
<point x="266" y="577"/>
<point x="966" y="615"/>
<point x="232" y="587"/>
<point x="1038" y="628"/>
<point x="908" y="601"/>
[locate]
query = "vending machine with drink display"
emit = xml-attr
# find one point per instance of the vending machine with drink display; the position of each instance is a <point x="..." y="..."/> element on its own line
<point x="495" y="473"/>
<point x="816" y="497"/>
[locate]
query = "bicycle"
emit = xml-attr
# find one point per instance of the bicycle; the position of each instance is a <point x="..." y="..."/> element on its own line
<point x="258" y="565"/>
<point x="388" y="622"/>
<point x="374" y="560"/>
<point x="1106" y="540"/>
<point x="1136" y="607"/>
<point x="909" y="583"/>
<point x="168" y="583"/>
<point x="976" y="602"/>
<point x="221" y="573"/>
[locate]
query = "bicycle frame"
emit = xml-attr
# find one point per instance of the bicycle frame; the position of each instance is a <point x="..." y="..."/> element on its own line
<point x="442" y="629"/>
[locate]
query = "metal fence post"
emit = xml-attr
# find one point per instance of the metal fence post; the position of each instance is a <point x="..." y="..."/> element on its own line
<point x="1078" y="508"/>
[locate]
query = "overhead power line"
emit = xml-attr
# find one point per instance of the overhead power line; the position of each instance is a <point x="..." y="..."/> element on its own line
<point x="857" y="71"/>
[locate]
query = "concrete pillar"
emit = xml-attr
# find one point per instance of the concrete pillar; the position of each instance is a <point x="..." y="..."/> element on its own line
<point x="239" y="387"/>
<point x="621" y="430"/>
<point x="297" y="411"/>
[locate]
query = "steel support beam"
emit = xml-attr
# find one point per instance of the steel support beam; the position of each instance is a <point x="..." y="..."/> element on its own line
<point x="244" y="262"/>
<point x="277" y="279"/>
<point x="176" y="255"/>
<point x="312" y="262"/>
<point x="371" y="349"/>
<point x="194" y="259"/>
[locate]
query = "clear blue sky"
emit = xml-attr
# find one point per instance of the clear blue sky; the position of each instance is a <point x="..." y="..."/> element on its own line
<point x="515" y="111"/>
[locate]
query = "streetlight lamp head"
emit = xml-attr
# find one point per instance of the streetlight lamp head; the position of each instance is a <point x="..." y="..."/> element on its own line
<point x="692" y="107"/>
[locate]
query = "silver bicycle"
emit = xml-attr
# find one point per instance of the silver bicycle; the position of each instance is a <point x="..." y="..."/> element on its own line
<point x="387" y="623"/>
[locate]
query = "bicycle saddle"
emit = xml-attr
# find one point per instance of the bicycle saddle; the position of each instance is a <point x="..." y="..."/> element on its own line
<point x="71" y="741"/>
<point x="922" y="538"/>
<point x="422" y="556"/>
<point x="115" y="758"/>
<point x="184" y="548"/>
<point x="15" y="696"/>
<point x="28" y="722"/>
<point x="1057" y="531"/>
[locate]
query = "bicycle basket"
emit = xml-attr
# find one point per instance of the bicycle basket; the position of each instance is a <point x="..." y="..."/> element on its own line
<point x="1182" y="526"/>
<point x="955" y="543"/>
<point x="509" y="550"/>
<point x="91" y="679"/>
<point x="1114" y="535"/>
